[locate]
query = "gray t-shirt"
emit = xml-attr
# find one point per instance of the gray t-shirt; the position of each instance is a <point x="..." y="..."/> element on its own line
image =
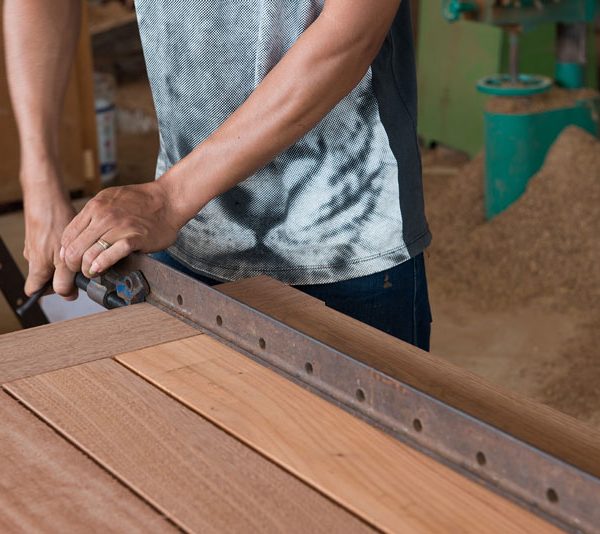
<point x="345" y="201"/>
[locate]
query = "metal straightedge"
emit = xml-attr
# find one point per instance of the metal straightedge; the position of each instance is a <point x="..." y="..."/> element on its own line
<point x="545" y="484"/>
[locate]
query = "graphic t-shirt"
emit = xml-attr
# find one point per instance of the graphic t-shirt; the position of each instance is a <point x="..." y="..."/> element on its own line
<point x="345" y="201"/>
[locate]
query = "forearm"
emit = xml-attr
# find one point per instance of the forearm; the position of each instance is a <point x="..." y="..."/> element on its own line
<point x="40" y="41"/>
<point x="324" y="65"/>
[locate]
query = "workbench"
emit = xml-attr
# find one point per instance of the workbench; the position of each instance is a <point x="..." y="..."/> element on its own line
<point x="140" y="420"/>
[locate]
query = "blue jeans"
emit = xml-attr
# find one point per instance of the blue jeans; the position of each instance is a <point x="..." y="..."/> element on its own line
<point x="395" y="301"/>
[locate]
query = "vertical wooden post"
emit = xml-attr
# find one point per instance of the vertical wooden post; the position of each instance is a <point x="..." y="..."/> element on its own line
<point x="84" y="73"/>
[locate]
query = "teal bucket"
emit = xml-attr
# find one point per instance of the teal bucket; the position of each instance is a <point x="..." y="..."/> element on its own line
<point x="516" y="147"/>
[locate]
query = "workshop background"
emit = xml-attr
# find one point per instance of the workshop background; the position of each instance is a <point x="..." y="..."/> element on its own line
<point x="511" y="168"/>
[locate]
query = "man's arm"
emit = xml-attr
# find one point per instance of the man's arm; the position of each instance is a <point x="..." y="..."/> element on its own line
<point x="40" y="41"/>
<point x="322" y="67"/>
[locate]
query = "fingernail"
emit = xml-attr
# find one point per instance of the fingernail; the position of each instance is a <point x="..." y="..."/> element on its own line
<point x="93" y="269"/>
<point x="62" y="253"/>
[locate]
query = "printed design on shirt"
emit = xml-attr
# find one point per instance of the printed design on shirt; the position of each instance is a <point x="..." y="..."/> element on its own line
<point x="329" y="201"/>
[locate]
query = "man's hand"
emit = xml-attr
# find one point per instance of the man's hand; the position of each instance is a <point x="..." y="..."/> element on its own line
<point x="47" y="214"/>
<point x="131" y="218"/>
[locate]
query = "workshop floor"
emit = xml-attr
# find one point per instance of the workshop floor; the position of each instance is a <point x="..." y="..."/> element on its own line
<point x="528" y="349"/>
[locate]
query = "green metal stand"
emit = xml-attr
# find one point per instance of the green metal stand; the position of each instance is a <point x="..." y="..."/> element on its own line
<point x="453" y="57"/>
<point x="516" y="146"/>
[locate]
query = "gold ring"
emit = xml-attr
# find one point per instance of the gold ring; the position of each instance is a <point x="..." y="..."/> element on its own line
<point x="104" y="244"/>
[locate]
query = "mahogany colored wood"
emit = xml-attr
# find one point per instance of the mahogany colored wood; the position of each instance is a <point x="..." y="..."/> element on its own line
<point x="54" y="346"/>
<point x="389" y="484"/>
<point x="201" y="478"/>
<point x="47" y="485"/>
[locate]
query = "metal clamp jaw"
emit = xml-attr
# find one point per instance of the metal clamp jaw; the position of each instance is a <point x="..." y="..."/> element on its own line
<point x="113" y="290"/>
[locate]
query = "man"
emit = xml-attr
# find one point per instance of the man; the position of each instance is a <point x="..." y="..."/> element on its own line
<point x="288" y="148"/>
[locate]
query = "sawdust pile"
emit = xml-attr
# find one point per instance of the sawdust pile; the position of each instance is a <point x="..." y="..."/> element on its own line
<point x="544" y="248"/>
<point x="543" y="251"/>
<point x="555" y="98"/>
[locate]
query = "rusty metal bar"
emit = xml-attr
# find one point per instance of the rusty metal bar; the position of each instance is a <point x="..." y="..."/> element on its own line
<point x="537" y="480"/>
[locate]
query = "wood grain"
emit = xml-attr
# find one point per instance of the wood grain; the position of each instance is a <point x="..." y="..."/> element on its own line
<point x="49" y="347"/>
<point x="269" y="296"/>
<point x="47" y="485"/>
<point x="547" y="429"/>
<point x="391" y="485"/>
<point x="200" y="477"/>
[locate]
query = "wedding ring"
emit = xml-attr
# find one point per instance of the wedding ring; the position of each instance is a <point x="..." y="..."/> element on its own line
<point x="104" y="244"/>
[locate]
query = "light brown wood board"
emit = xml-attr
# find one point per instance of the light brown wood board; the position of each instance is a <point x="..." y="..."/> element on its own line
<point x="391" y="485"/>
<point x="54" y="346"/>
<point x="269" y="296"/>
<point x="547" y="429"/>
<point x="201" y="478"/>
<point x="47" y="485"/>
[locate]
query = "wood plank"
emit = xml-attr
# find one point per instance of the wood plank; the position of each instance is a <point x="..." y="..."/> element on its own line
<point x="54" y="346"/>
<point x="47" y="485"/>
<point x="391" y="485"/>
<point x="200" y="477"/>
<point x="547" y="429"/>
<point x="269" y="296"/>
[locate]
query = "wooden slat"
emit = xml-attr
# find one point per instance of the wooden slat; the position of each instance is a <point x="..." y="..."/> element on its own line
<point x="47" y="485"/>
<point x="200" y="477"/>
<point x="547" y="429"/>
<point x="46" y="348"/>
<point x="269" y="296"/>
<point x="391" y="485"/>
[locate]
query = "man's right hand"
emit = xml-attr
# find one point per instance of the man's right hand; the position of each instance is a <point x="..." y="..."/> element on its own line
<point x="47" y="213"/>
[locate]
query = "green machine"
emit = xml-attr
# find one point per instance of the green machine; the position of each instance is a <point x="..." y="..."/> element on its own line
<point x="518" y="135"/>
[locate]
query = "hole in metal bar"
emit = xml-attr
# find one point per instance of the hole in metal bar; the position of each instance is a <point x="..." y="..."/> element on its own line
<point x="481" y="459"/>
<point x="219" y="320"/>
<point x="179" y="299"/>
<point x="309" y="368"/>
<point x="551" y="495"/>
<point x="262" y="343"/>
<point x="360" y="395"/>
<point x="417" y="425"/>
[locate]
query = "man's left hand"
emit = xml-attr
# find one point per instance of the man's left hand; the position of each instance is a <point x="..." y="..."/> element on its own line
<point x="130" y="218"/>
